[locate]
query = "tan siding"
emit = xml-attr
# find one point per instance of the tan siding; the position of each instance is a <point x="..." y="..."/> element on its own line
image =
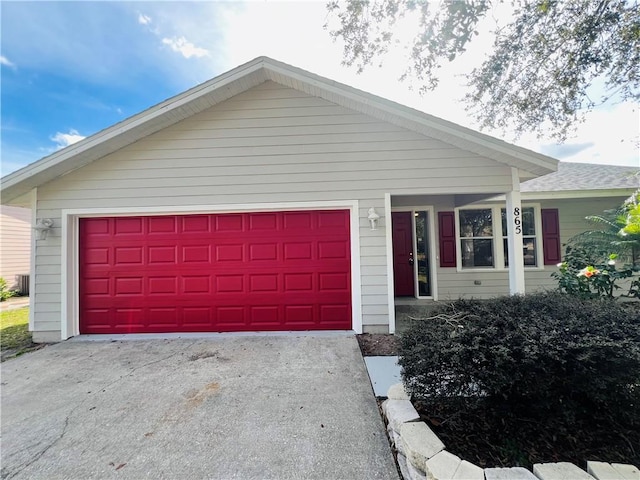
<point x="374" y="290"/>
<point x="15" y="243"/>
<point x="270" y="145"/>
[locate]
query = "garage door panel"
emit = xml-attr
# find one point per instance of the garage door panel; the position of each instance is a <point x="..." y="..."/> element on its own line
<point x="230" y="318"/>
<point x="128" y="226"/>
<point x="161" y="317"/>
<point x="162" y="225"/>
<point x="162" y="254"/>
<point x="297" y="220"/>
<point x="255" y="271"/>
<point x="196" y="285"/>
<point x="228" y="223"/>
<point x="197" y="317"/>
<point x="195" y="224"/>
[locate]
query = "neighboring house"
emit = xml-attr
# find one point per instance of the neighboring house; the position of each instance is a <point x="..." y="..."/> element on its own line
<point x="264" y="199"/>
<point x="15" y="247"/>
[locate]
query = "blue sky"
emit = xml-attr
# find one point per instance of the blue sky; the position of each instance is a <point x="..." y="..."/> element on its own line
<point x="70" y="69"/>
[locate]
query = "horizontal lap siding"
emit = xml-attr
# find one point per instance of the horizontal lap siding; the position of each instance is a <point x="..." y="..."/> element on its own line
<point x="269" y="145"/>
<point x="573" y="213"/>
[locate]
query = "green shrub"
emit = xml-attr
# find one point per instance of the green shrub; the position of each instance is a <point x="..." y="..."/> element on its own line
<point x="4" y="291"/>
<point x="589" y="272"/>
<point x="545" y="355"/>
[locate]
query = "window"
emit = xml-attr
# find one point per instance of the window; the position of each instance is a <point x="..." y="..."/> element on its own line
<point x="483" y="237"/>
<point x="528" y="236"/>
<point x="422" y="253"/>
<point x="476" y="238"/>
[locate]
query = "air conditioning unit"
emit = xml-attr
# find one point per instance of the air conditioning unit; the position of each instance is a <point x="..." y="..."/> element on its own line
<point x="23" y="284"/>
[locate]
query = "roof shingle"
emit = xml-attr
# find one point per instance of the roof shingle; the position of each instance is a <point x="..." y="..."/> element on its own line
<point x="585" y="176"/>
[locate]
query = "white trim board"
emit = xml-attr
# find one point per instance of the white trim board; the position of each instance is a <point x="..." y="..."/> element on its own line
<point x="33" y="200"/>
<point x="70" y="319"/>
<point x="389" y="250"/>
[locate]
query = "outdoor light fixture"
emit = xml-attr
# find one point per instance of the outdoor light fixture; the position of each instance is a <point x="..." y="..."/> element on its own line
<point x="373" y="218"/>
<point x="43" y="225"/>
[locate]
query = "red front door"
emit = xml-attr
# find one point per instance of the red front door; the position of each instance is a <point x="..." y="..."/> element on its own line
<point x="402" y="231"/>
<point x="216" y="273"/>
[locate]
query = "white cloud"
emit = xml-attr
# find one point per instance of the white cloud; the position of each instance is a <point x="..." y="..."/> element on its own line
<point x="6" y="62"/>
<point x="65" y="139"/>
<point x="184" y="47"/>
<point x="144" y="19"/>
<point x="611" y="136"/>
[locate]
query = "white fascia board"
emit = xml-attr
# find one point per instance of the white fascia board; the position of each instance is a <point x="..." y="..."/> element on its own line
<point x="567" y="194"/>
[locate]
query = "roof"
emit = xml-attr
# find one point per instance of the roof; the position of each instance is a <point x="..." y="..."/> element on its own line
<point x="578" y="177"/>
<point x="243" y="78"/>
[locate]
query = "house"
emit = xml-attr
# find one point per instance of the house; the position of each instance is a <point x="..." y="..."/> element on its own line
<point x="270" y="198"/>
<point x="15" y="247"/>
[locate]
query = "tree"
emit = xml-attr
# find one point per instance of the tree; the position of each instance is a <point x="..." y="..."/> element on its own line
<point x="540" y="68"/>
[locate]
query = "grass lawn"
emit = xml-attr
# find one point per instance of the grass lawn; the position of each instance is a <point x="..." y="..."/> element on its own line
<point x="14" y="330"/>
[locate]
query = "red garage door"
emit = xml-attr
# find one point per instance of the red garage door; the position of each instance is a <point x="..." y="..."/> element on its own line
<point x="216" y="273"/>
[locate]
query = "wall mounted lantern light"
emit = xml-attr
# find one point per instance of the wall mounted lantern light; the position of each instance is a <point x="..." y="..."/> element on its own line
<point x="373" y="218"/>
<point x="43" y="225"/>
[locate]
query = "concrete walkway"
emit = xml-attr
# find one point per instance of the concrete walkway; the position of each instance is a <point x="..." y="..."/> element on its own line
<point x="277" y="407"/>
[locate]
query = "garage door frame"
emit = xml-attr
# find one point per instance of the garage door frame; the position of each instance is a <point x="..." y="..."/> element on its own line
<point x="70" y="274"/>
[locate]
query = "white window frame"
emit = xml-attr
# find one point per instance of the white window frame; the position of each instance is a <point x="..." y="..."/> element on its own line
<point x="497" y="239"/>
<point x="537" y="225"/>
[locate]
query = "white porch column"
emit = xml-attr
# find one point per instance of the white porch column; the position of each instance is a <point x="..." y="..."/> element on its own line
<point x="514" y="236"/>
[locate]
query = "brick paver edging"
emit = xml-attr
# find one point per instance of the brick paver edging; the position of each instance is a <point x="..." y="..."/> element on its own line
<point x="422" y="456"/>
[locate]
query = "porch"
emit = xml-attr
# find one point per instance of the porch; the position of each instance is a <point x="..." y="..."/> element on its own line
<point x="447" y="246"/>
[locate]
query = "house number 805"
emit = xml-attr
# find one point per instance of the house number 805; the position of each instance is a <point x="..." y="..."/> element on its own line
<point x="516" y="221"/>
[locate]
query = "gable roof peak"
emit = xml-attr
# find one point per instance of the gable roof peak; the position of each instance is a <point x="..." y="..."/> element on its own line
<point x="243" y="78"/>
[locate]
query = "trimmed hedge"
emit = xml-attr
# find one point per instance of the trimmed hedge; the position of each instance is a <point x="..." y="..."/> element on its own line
<point x="545" y="355"/>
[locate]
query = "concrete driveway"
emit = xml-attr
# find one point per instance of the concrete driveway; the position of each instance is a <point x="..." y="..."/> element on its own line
<point x="267" y="407"/>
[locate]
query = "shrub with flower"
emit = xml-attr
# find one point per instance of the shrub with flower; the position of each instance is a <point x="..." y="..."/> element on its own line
<point x="590" y="269"/>
<point x="588" y="272"/>
<point x="593" y="280"/>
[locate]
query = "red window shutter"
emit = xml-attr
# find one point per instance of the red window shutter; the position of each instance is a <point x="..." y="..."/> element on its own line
<point x="551" y="236"/>
<point x="447" y="228"/>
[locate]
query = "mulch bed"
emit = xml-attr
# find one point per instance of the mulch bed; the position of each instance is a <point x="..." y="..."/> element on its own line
<point x="378" y="344"/>
<point x="487" y="439"/>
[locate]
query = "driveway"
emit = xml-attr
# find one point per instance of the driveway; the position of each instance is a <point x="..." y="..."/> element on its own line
<point x="263" y="407"/>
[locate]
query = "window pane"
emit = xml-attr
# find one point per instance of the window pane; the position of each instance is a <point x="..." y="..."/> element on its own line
<point x="424" y="285"/>
<point x="528" y="250"/>
<point x="527" y="219"/>
<point x="503" y="219"/>
<point x="476" y="223"/>
<point x="477" y="253"/>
